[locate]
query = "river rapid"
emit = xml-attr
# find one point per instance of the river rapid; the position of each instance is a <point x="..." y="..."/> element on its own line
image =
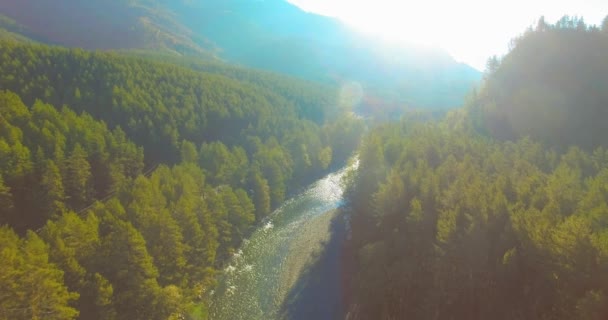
<point x="289" y="267"/>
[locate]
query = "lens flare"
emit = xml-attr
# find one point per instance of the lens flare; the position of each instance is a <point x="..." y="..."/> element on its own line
<point x="351" y="94"/>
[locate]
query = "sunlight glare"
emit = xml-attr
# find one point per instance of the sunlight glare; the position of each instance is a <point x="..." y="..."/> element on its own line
<point x="394" y="23"/>
<point x="351" y="94"/>
<point x="469" y="30"/>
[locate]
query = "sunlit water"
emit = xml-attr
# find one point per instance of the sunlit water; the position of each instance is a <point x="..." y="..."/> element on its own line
<point x="250" y="287"/>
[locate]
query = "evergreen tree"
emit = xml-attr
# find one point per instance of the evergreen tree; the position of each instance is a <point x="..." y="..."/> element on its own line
<point x="31" y="287"/>
<point x="261" y="194"/>
<point x="78" y="178"/>
<point x="6" y="203"/>
<point x="123" y="248"/>
<point x="188" y="152"/>
<point x="52" y="194"/>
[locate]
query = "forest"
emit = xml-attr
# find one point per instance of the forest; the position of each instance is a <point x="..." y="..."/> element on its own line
<point x="500" y="209"/>
<point x="126" y="181"/>
<point x="274" y="35"/>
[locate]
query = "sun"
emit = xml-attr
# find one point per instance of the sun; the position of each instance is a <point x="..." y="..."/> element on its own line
<point x="469" y="30"/>
<point x="395" y="23"/>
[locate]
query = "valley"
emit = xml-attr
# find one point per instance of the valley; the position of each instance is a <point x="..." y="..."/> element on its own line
<point x="204" y="159"/>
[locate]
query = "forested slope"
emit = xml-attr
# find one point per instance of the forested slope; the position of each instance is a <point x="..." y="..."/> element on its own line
<point x="455" y="219"/>
<point x="272" y="35"/>
<point x="551" y="87"/>
<point x="140" y="177"/>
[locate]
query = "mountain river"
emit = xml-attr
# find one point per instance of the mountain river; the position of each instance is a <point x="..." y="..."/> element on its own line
<point x="290" y="266"/>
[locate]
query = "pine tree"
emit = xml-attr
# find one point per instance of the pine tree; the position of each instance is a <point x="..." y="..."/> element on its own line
<point x="78" y="178"/>
<point x="52" y="194"/>
<point x="6" y="203"/>
<point x="124" y="260"/>
<point x="188" y="152"/>
<point x="261" y="194"/>
<point x="30" y="286"/>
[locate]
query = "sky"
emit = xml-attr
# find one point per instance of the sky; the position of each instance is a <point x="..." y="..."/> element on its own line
<point x="471" y="31"/>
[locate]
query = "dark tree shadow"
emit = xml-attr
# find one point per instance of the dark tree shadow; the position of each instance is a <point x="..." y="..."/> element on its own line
<point x="317" y="294"/>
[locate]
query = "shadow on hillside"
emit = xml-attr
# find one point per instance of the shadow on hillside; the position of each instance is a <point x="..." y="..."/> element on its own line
<point x="317" y="294"/>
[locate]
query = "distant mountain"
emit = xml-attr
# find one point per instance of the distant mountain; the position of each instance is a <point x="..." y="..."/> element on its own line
<point x="266" y="34"/>
<point x="96" y="24"/>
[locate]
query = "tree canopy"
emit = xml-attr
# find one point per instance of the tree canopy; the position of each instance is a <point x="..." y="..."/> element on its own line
<point x="552" y="86"/>
<point x="499" y="210"/>
<point x="449" y="224"/>
<point x="141" y="177"/>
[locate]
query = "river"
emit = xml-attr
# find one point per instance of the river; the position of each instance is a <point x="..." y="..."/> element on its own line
<point x="289" y="267"/>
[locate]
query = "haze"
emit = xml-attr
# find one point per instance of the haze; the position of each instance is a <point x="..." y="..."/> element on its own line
<point x="470" y="30"/>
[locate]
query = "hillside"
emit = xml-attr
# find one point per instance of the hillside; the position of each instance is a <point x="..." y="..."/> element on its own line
<point x="125" y="182"/>
<point x="551" y="87"/>
<point x="272" y="35"/>
<point x="100" y="25"/>
<point x="498" y="211"/>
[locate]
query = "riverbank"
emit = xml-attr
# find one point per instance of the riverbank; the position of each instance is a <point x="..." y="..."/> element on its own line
<point x="306" y="249"/>
<point x="347" y="263"/>
<point x="311" y="275"/>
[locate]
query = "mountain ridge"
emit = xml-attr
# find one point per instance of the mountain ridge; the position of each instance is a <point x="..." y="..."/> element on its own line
<point x="272" y="35"/>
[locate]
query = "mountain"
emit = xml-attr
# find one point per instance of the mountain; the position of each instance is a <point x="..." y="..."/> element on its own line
<point x="112" y="24"/>
<point x="271" y="34"/>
